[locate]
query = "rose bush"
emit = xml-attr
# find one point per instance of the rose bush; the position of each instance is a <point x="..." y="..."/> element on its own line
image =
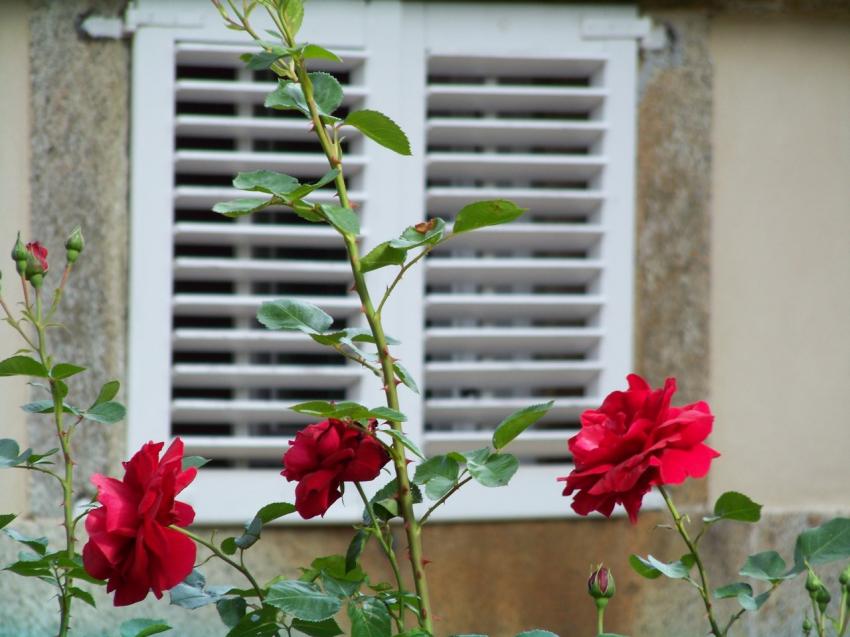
<point x="323" y="456"/>
<point x="130" y="543"/>
<point x="636" y="440"/>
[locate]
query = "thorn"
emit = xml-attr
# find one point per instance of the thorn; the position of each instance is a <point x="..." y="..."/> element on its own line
<point x="353" y="287"/>
<point x="362" y="309"/>
<point x="397" y="382"/>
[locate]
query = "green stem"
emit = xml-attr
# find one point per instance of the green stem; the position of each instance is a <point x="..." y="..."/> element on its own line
<point x="405" y="496"/>
<point x="705" y="591"/>
<point x="600" y="620"/>
<point x="842" y="614"/>
<point x="219" y="554"/>
<point x="457" y="485"/>
<point x="15" y="324"/>
<point x="400" y="274"/>
<point x="388" y="551"/>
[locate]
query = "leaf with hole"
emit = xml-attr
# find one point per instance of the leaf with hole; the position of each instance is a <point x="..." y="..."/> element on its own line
<point x="381" y="129"/>
<point x="486" y="213"/>
<point x="288" y="314"/>
<point x="517" y="422"/>
<point x="735" y="506"/>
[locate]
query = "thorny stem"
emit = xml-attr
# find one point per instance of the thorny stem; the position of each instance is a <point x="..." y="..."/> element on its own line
<point x="388" y="551"/>
<point x="457" y="485"/>
<point x="219" y="554"/>
<point x="704" y="590"/>
<point x="57" y="294"/>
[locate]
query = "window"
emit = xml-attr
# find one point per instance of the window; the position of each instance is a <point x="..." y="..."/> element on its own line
<point x="508" y="102"/>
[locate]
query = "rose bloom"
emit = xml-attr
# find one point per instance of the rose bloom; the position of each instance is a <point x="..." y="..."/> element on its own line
<point x="323" y="456"/>
<point x="39" y="252"/>
<point x="634" y="441"/>
<point x="130" y="544"/>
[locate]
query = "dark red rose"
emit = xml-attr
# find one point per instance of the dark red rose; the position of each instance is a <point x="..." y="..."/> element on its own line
<point x="634" y="441"/>
<point x="323" y="456"/>
<point x="130" y="544"/>
<point x="39" y="252"/>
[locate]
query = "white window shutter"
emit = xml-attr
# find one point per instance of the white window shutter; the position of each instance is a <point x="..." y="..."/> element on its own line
<point x="494" y="321"/>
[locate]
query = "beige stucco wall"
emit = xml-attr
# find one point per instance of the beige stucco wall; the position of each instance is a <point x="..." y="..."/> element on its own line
<point x="780" y="301"/>
<point x="14" y="214"/>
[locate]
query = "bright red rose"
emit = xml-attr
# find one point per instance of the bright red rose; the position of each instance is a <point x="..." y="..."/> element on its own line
<point x="323" y="456"/>
<point x="634" y="441"/>
<point x="130" y="543"/>
<point x="39" y="252"/>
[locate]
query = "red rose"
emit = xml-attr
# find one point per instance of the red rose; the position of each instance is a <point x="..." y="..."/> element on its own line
<point x="130" y="543"/>
<point x="634" y="441"/>
<point x="323" y="456"/>
<point x="39" y="252"/>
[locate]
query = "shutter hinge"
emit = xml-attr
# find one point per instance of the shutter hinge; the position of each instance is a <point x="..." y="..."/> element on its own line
<point x="113" y="28"/>
<point x="651" y="37"/>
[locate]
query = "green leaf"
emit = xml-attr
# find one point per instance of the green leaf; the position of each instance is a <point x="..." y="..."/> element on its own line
<point x="748" y="602"/>
<point x="385" y="503"/>
<point x="6" y="519"/>
<point x="340" y="410"/>
<point x="486" y="213"/>
<point x="264" y="59"/>
<point x="362" y="335"/>
<point x="303" y="600"/>
<point x="266" y="181"/>
<point x="107" y="392"/>
<point x="314" y="51"/>
<point x="437" y="487"/>
<point x="193" y="592"/>
<point x="35" y="458"/>
<point x="293" y="15"/>
<point x="517" y="422"/>
<point x="241" y="207"/>
<point x="355" y="548"/>
<point x="491" y="469"/>
<point x="261" y="623"/>
<point x="229" y="546"/>
<point x="735" y="506"/>
<point x="385" y="413"/>
<point x="231" y="610"/>
<point x="732" y="590"/>
<point x="823" y="544"/>
<point x="336" y="578"/>
<point x="143" y="627"/>
<point x="64" y="370"/>
<point x="287" y="314"/>
<point x="325" y="628"/>
<point x="380" y="128"/>
<point x="327" y="93"/>
<point x="437" y="467"/>
<point x="381" y="256"/>
<point x="652" y="568"/>
<point x="405" y="377"/>
<point x="194" y="461"/>
<point x="343" y="219"/>
<point x="427" y="233"/>
<point x="107" y="413"/>
<point x="22" y="366"/>
<point x="404" y="440"/>
<point x="537" y="633"/>
<point x="10" y="453"/>
<point x="82" y="595"/>
<point x="767" y="566"/>
<point x="265" y="515"/>
<point x="305" y="189"/>
<point x="369" y="618"/>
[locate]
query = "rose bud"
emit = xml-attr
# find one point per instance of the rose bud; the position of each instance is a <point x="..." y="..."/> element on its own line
<point x="600" y="584"/>
<point x="36" y="263"/>
<point x="74" y="244"/>
<point x="19" y="255"/>
<point x="822" y="597"/>
<point x="844" y="578"/>
<point x="813" y="582"/>
<point x="807" y="626"/>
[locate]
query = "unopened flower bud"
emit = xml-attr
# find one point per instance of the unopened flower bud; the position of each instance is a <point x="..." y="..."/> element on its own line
<point x="600" y="584"/>
<point x="36" y="263"/>
<point x="807" y="626"/>
<point x="19" y="255"/>
<point x="813" y="583"/>
<point x="822" y="597"/>
<point x="74" y="244"/>
<point x="844" y="578"/>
